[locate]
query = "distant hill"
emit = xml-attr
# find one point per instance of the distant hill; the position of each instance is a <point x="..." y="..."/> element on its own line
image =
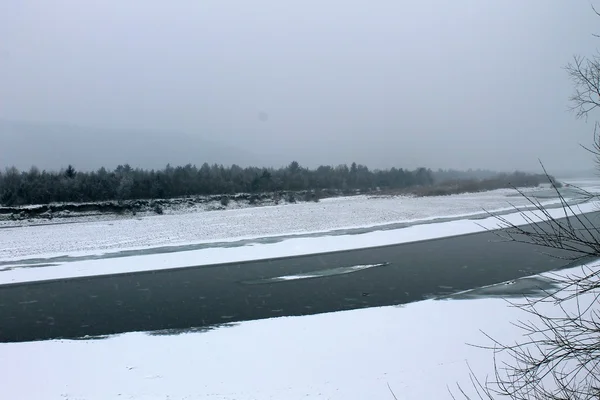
<point x="54" y="146"/>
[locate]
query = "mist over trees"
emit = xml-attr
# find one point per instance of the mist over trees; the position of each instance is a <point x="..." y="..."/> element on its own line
<point x="444" y="175"/>
<point x="127" y="183"/>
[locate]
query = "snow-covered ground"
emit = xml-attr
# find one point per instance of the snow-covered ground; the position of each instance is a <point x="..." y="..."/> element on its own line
<point x="341" y="213"/>
<point x="419" y="350"/>
<point x="81" y="264"/>
<point x="181" y="240"/>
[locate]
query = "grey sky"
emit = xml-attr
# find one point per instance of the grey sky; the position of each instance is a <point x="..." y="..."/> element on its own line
<point x="439" y="83"/>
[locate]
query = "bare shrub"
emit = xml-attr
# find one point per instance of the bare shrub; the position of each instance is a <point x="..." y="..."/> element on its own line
<point x="559" y="355"/>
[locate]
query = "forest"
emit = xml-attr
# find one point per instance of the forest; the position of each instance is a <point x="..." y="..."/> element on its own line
<point x="126" y="183"/>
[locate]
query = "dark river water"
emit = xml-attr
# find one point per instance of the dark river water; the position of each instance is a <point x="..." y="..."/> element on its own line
<point x="171" y="301"/>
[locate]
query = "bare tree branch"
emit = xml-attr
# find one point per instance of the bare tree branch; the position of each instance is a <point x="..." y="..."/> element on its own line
<point x="585" y="75"/>
<point x="558" y="356"/>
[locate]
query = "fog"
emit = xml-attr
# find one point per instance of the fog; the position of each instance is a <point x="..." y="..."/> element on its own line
<point x="441" y="84"/>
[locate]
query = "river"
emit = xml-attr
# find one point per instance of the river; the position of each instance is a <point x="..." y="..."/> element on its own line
<point x="196" y="298"/>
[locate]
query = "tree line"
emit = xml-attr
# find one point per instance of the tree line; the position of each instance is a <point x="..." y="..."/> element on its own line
<point x="127" y="183"/>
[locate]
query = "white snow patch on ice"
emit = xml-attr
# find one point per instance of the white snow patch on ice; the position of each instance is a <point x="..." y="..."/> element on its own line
<point x="326" y="272"/>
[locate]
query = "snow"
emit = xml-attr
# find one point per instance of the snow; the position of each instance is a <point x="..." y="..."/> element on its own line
<point x="326" y="272"/>
<point x="116" y="234"/>
<point x="346" y="355"/>
<point x="419" y="350"/>
<point x="65" y="268"/>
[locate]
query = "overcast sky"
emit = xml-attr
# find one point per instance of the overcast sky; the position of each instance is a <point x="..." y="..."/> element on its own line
<point x="439" y="83"/>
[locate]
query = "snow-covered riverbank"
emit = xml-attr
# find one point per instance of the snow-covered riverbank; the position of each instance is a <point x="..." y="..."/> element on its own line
<point x="420" y="351"/>
<point x="114" y="233"/>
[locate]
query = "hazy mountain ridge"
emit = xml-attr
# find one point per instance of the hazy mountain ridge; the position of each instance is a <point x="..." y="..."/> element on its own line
<point x="54" y="146"/>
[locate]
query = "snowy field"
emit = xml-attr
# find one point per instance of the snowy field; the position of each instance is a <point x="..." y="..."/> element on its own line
<point x="419" y="350"/>
<point x="334" y="214"/>
<point x="78" y="265"/>
<point x="54" y="251"/>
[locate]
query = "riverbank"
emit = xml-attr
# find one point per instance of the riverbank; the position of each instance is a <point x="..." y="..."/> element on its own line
<point x="181" y="226"/>
<point x="65" y="212"/>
